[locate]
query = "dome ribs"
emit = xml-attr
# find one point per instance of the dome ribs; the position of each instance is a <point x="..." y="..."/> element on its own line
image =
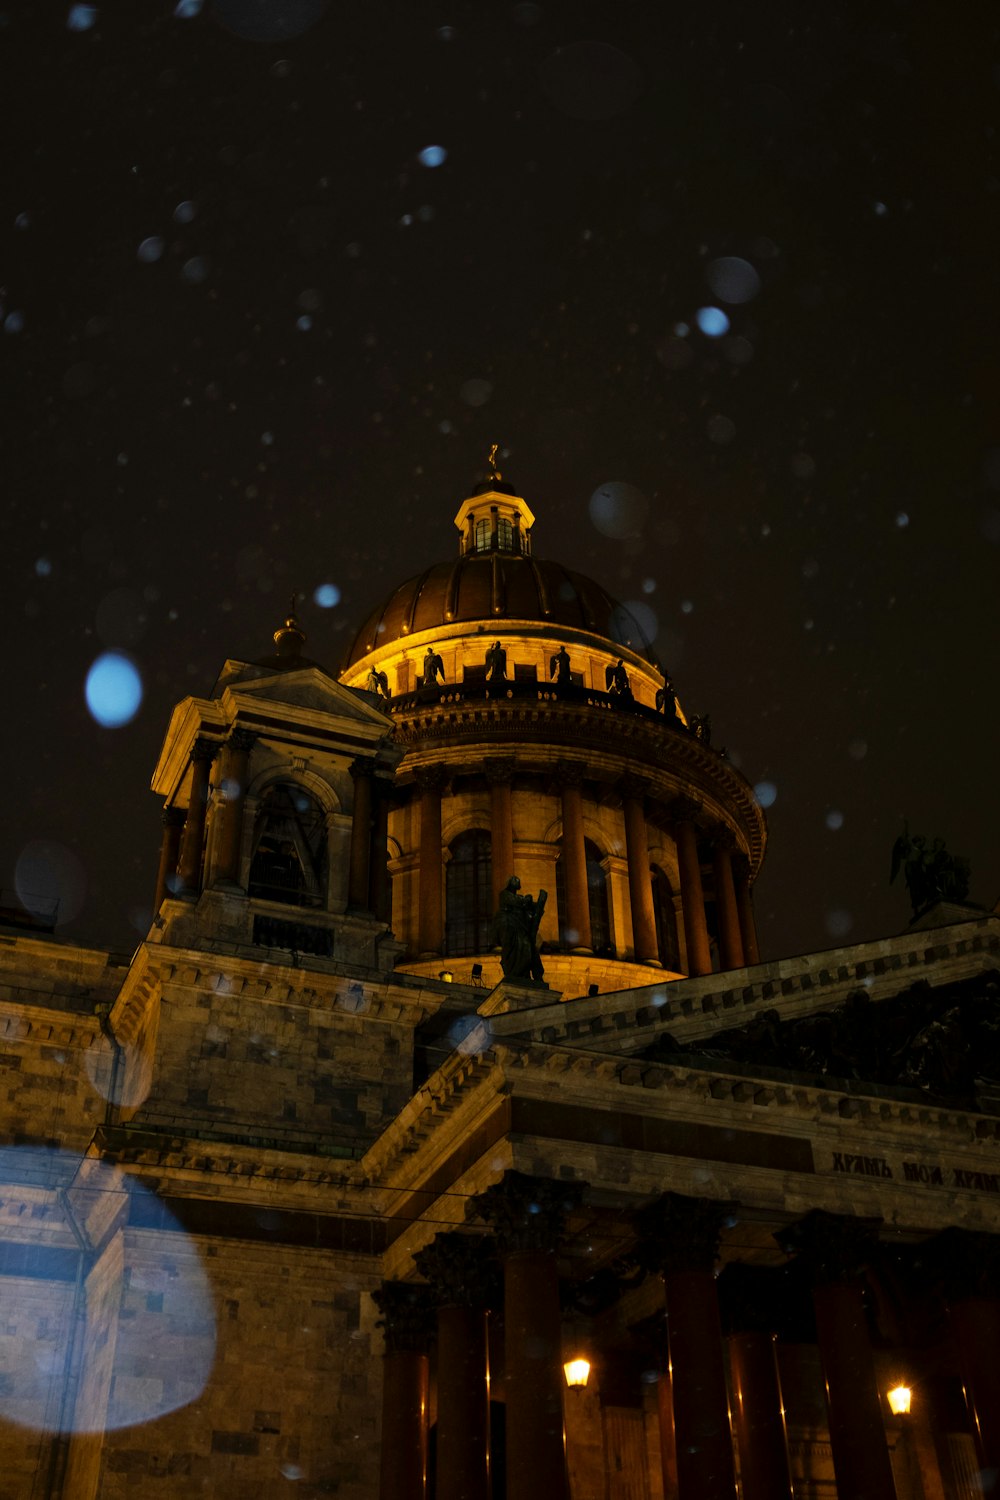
<point x="498" y="592"/>
<point x="451" y="591"/>
<point x="415" y="600"/>
<point x="544" y="598"/>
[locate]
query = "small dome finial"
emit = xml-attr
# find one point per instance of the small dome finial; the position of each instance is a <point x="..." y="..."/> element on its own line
<point x="492" y="461"/>
<point x="290" y="637"/>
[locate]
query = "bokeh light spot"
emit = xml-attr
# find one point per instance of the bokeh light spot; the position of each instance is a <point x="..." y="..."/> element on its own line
<point x="266" y="21"/>
<point x="476" y="392"/>
<point x="766" y="793"/>
<point x="834" y="820"/>
<point x="184" y="212"/>
<point x="195" y="270"/>
<point x="618" y="509"/>
<point x="150" y="250"/>
<point x="327" y="595"/>
<point x="432" y="156"/>
<point x="732" y="279"/>
<point x="43" y="567"/>
<point x="50" y="881"/>
<point x="81" y="17"/>
<point x="113" y="690"/>
<point x="838" y="922"/>
<point x="712" y="321"/>
<point x="186" y="9"/>
<point x="902" y="519"/>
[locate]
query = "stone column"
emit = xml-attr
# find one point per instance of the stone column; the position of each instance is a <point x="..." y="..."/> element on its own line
<point x="730" y="937"/>
<point x="527" y="1215"/>
<point x="679" y="1237"/>
<point x="749" y="1298"/>
<point x="574" y="854"/>
<point x="170" y="843"/>
<point x="668" y="1437"/>
<point x="359" y="867"/>
<point x="465" y="1281"/>
<point x="969" y="1266"/>
<point x="500" y="774"/>
<point x="699" y="958"/>
<point x="381" y="885"/>
<point x="640" y="885"/>
<point x="235" y="764"/>
<point x="430" y="918"/>
<point x="744" y="907"/>
<point x="193" y="837"/>
<point x="836" y="1248"/>
<point x="406" y="1321"/>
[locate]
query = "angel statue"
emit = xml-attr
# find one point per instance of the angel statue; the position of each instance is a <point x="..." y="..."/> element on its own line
<point x="930" y="872"/>
<point x="559" y="668"/>
<point x="378" y="682"/>
<point x="616" y="680"/>
<point x="433" y="668"/>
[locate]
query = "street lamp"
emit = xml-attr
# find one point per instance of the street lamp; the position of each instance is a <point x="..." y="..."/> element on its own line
<point x="899" y="1400"/>
<point x="577" y="1372"/>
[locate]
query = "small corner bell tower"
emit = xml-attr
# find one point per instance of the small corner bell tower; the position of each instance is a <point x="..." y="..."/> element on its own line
<point x="494" y="518"/>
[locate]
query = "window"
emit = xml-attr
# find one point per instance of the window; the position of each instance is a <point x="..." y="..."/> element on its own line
<point x="666" y="921"/>
<point x="289" y="858"/>
<point x="597" y="900"/>
<point x="505" y="535"/>
<point x="469" y="895"/>
<point x="484" y="533"/>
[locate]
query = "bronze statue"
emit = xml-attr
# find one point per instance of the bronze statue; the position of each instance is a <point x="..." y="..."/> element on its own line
<point x="433" y="668"/>
<point x="492" y="461"/>
<point x="666" y="700"/>
<point x="930" y="872"/>
<point x="616" y="680"/>
<point x="701" y="727"/>
<point x="378" y="682"/>
<point x="515" y="928"/>
<point x="496" y="663"/>
<point x="559" y="668"/>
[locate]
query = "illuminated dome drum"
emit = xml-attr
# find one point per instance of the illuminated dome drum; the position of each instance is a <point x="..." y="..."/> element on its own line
<point x="539" y="742"/>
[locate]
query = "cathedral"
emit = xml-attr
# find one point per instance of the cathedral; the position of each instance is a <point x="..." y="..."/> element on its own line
<point x="449" y="1138"/>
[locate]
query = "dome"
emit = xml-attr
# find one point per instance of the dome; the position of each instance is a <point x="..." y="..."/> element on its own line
<point x="493" y="587"/>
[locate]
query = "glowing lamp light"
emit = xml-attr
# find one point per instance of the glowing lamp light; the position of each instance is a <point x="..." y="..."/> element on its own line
<point x="899" y="1400"/>
<point x="577" y="1372"/>
<point x="446" y="975"/>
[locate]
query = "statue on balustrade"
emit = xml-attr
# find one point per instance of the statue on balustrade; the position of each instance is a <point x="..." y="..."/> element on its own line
<point x="701" y="727"/>
<point x="378" y="683"/>
<point x="515" y="928"/>
<point x="930" y="872"/>
<point x="433" y="668"/>
<point x="666" y="701"/>
<point x="616" y="680"/>
<point x="559" y="668"/>
<point x="496" y="663"/>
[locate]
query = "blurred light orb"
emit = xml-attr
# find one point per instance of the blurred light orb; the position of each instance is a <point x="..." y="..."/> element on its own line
<point x="304" y="323"/>
<point x="113" y="690"/>
<point x="150" y="249"/>
<point x="881" y="210"/>
<point x="649" y="585"/>
<point x="902" y="519"/>
<point x="13" y="322"/>
<point x="766" y="793"/>
<point x="195" y="270"/>
<point x="732" y="279"/>
<point x="43" y="567"/>
<point x="432" y="156"/>
<point x="633" y="624"/>
<point x="682" y="330"/>
<point x="446" y="33"/>
<point x="81" y="17"/>
<point x="838" y="923"/>
<point x="476" y="392"/>
<point x="712" y="321"/>
<point x="50" y="881"/>
<point x="618" y="509"/>
<point x="737" y="350"/>
<point x="186" y="9"/>
<point x="326" y="596"/>
<point x="687" y="606"/>
<point x="266" y="21"/>
<point x="834" y="820"/>
<point x="184" y="212"/>
<point x="23" y="221"/>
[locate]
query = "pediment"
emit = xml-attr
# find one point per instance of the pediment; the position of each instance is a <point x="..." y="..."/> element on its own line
<point x="308" y="687"/>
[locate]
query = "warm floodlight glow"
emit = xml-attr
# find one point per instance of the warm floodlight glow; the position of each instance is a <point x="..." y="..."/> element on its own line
<point x="899" y="1400"/>
<point x="577" y="1372"/>
<point x="446" y="975"/>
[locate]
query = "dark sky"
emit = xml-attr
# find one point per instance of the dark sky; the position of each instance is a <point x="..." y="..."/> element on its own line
<point x="253" y="346"/>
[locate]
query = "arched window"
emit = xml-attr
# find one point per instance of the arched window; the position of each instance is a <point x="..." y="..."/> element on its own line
<point x="469" y="895"/>
<point x="484" y="533"/>
<point x="666" y="921"/>
<point x="289" y="855"/>
<point x="597" y="900"/>
<point x="505" y="535"/>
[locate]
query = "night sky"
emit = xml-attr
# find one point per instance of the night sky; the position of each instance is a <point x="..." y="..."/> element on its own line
<point x="253" y="345"/>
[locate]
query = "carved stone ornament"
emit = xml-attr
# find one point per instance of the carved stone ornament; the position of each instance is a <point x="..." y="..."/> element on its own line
<point x="836" y="1247"/>
<point x="527" y="1213"/>
<point x="204" y="749"/>
<point x="463" y="1270"/>
<point x="499" y="771"/>
<point x="407" y="1316"/>
<point x="431" y="778"/>
<point x="242" y="740"/>
<point x="678" y="1233"/>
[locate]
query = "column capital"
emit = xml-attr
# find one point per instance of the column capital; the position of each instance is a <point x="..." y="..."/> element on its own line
<point x="964" y="1262"/>
<point x="683" y="809"/>
<point x="204" y="749"/>
<point x="569" y="773"/>
<point x="835" y="1247"/>
<point x="361" y="767"/>
<point x="633" y="786"/>
<point x="499" y="771"/>
<point x="678" y="1233"/>
<point x="527" y="1213"/>
<point x="242" y="739"/>
<point x="462" y="1269"/>
<point x="407" y="1316"/>
<point x="173" y="817"/>
<point x="723" y="838"/>
<point x="431" y="778"/>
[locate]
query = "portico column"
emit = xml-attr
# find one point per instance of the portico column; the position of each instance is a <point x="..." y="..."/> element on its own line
<point x="527" y="1215"/>
<point x="381" y="886"/>
<point x="193" y="837"/>
<point x="406" y="1322"/>
<point x="465" y="1280"/>
<point x="970" y="1265"/>
<point x="235" y="763"/>
<point x="744" y="907"/>
<point x="699" y="958"/>
<point x="836" y="1248"/>
<point x="679" y="1237"/>
<point x="730" y="938"/>
<point x="574" y="854"/>
<point x="170" y="843"/>
<point x="747" y="1295"/>
<point x="359" y="866"/>
<point x="499" y="774"/>
<point x="640" y="886"/>
<point x="430" y="917"/>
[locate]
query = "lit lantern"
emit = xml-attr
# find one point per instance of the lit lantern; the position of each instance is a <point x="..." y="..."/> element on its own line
<point x="899" y="1400"/>
<point x="577" y="1372"/>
